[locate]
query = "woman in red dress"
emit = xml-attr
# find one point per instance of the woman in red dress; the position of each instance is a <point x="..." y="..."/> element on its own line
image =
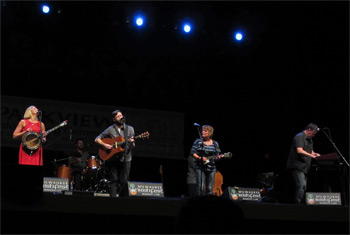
<point x="30" y="123"/>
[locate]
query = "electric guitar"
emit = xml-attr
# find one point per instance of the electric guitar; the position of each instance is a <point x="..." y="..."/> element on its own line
<point x="209" y="163"/>
<point x="226" y="155"/>
<point x="118" y="144"/>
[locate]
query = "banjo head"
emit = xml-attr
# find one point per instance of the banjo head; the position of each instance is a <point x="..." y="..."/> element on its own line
<point x="31" y="140"/>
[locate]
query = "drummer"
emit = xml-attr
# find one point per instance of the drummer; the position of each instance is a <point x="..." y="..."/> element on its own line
<point x="77" y="161"/>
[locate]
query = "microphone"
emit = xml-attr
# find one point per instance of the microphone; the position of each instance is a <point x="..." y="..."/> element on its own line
<point x="196" y="124"/>
<point x="323" y="128"/>
<point x="38" y="112"/>
<point x="122" y="120"/>
<point x="70" y="134"/>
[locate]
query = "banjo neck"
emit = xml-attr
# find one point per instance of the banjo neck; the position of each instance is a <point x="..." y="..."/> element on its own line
<point x="56" y="127"/>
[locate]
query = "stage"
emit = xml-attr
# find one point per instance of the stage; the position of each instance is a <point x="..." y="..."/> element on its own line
<point x="85" y="213"/>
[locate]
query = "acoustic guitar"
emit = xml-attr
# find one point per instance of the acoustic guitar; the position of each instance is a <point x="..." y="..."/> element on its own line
<point x="118" y="144"/>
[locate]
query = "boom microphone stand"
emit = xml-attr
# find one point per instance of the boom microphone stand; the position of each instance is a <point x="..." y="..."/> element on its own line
<point x="41" y="135"/>
<point x="201" y="161"/>
<point x="342" y="173"/>
<point x="335" y="147"/>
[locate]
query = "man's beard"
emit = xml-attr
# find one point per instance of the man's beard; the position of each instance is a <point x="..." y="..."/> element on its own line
<point x="121" y="122"/>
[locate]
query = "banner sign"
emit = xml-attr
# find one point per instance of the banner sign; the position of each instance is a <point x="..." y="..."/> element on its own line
<point x="145" y="189"/>
<point x="313" y="198"/>
<point x="244" y="194"/>
<point x="87" y="121"/>
<point x="55" y="184"/>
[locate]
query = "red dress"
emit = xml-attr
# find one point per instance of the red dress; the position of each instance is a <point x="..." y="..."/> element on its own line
<point x="36" y="159"/>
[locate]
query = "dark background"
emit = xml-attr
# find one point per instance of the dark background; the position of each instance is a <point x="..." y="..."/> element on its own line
<point x="292" y="68"/>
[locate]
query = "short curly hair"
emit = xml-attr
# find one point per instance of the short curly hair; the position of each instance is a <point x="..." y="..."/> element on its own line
<point x="210" y="129"/>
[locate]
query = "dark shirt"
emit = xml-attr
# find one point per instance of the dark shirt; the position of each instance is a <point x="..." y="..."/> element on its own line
<point x="298" y="161"/>
<point x="113" y="132"/>
<point x="75" y="163"/>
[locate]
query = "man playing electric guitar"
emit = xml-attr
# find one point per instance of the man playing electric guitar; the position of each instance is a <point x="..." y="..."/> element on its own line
<point x="119" y="166"/>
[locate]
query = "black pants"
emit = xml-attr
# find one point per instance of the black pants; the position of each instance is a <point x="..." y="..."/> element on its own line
<point x="119" y="176"/>
<point x="77" y="179"/>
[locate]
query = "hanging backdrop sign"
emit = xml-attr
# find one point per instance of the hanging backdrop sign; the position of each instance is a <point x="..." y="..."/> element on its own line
<point x="87" y="121"/>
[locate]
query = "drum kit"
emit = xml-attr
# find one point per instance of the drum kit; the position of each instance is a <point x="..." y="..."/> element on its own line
<point x="93" y="175"/>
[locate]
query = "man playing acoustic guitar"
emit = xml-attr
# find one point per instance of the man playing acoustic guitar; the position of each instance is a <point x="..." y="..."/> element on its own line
<point x="120" y="163"/>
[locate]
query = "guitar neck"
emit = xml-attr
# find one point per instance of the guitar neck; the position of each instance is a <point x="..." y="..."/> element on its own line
<point x="136" y="137"/>
<point x="228" y="155"/>
<point x="144" y="135"/>
<point x="211" y="157"/>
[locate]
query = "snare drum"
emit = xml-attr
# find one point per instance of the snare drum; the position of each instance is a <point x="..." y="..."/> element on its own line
<point x="64" y="172"/>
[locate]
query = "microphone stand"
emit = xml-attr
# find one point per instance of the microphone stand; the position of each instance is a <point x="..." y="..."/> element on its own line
<point x="41" y="137"/>
<point x="201" y="162"/>
<point x="54" y="162"/>
<point x="342" y="173"/>
<point x="335" y="147"/>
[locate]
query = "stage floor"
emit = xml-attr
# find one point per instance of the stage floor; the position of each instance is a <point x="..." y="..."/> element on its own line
<point x="85" y="213"/>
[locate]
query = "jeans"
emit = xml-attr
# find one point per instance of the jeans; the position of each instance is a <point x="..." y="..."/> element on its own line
<point x="300" y="180"/>
<point x="205" y="182"/>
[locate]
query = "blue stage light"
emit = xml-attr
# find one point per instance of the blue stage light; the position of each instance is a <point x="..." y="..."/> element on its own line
<point x="45" y="9"/>
<point x="238" y="36"/>
<point x="139" y="21"/>
<point x="187" y="28"/>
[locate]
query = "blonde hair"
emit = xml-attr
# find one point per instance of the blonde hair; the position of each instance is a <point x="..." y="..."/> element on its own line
<point x="209" y="128"/>
<point x="28" y="112"/>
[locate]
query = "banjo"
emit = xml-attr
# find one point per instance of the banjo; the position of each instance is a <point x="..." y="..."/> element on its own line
<point x="32" y="140"/>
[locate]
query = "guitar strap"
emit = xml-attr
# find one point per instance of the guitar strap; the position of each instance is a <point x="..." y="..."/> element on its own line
<point x="126" y="138"/>
<point x="124" y="130"/>
<point x="217" y="149"/>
